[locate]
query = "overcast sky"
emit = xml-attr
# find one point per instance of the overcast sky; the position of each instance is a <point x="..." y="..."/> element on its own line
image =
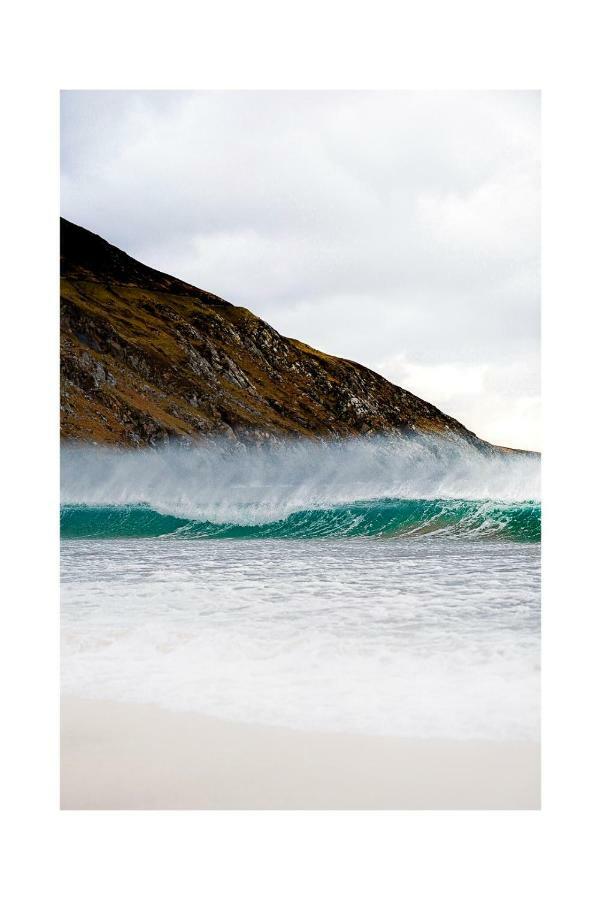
<point x="398" y="229"/>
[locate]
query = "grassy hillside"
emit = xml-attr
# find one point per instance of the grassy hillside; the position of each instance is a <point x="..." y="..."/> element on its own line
<point x="146" y="357"/>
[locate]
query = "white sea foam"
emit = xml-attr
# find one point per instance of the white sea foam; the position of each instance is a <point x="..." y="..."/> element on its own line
<point x="414" y="638"/>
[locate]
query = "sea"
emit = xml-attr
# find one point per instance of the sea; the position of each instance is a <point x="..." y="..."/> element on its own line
<point x="386" y="586"/>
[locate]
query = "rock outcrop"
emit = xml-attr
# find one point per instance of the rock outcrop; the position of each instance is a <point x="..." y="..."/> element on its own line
<point x="147" y="358"/>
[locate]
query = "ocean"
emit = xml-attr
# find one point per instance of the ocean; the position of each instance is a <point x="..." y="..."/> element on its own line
<point x="375" y="586"/>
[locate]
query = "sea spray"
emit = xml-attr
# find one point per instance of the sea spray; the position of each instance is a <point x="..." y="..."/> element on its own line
<point x="227" y="484"/>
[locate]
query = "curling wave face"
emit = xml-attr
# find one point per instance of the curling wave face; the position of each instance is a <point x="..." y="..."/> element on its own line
<point x="380" y="518"/>
<point x="300" y="489"/>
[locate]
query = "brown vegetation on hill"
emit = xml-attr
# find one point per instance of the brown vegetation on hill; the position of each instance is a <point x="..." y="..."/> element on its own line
<point x="146" y="358"/>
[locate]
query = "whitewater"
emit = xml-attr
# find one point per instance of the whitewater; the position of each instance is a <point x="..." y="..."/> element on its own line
<point x="375" y="585"/>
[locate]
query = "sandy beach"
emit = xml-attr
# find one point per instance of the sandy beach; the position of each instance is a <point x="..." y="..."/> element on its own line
<point x="128" y="756"/>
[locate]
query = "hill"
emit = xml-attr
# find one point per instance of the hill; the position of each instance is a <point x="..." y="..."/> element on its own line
<point x="146" y="358"/>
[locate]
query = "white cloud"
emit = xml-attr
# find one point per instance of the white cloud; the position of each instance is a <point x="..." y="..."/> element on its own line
<point x="502" y="401"/>
<point x="499" y="219"/>
<point x="375" y="225"/>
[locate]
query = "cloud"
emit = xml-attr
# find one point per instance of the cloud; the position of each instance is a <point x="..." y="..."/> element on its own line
<point x="375" y="225"/>
<point x="501" y="400"/>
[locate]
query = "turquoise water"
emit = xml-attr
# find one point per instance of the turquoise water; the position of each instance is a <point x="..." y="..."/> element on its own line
<point x="384" y="518"/>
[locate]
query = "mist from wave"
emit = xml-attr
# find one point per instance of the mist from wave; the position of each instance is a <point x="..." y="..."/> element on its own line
<point x="251" y="486"/>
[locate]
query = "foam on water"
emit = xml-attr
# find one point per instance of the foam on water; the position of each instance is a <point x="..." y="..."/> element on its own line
<point x="414" y="638"/>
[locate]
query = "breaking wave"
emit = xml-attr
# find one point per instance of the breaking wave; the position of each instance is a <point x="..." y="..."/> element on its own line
<point x="380" y="518"/>
<point x="301" y="489"/>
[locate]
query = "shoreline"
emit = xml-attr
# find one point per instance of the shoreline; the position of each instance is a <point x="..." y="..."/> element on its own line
<point x="136" y="756"/>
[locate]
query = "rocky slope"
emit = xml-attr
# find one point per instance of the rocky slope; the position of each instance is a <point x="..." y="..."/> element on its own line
<point x="147" y="358"/>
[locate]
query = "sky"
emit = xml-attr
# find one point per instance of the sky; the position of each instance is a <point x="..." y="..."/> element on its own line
<point x="398" y="229"/>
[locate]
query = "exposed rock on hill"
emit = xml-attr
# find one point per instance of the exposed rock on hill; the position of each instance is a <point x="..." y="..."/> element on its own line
<point x="146" y="358"/>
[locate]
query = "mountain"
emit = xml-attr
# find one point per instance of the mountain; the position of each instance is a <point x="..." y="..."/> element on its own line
<point x="146" y="358"/>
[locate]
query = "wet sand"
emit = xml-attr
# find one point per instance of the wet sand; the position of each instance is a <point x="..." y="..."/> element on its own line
<point x="129" y="756"/>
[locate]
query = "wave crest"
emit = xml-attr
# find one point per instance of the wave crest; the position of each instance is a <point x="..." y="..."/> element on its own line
<point x="240" y="485"/>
